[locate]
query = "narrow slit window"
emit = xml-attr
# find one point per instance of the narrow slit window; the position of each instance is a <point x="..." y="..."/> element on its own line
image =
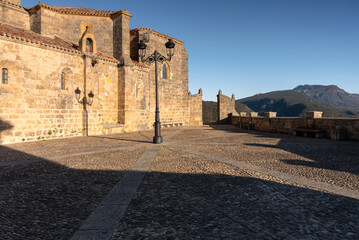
<point x="164" y="72"/>
<point x="62" y="81"/>
<point x="136" y="90"/>
<point x="4" y="75"/>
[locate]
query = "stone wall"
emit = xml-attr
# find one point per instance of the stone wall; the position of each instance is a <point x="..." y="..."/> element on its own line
<point x="195" y="104"/>
<point x="35" y="106"/>
<point x="225" y="106"/>
<point x="134" y="98"/>
<point x="49" y="23"/>
<point x="32" y="104"/>
<point x="173" y="91"/>
<point x="14" y="15"/>
<point x="334" y="128"/>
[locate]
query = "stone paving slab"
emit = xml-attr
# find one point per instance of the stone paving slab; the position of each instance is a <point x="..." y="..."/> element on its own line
<point x="104" y="219"/>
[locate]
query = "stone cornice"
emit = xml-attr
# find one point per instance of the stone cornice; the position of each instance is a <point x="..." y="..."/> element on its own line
<point x="78" y="11"/>
<point x="138" y="64"/>
<point x="13" y="6"/>
<point x="157" y="34"/>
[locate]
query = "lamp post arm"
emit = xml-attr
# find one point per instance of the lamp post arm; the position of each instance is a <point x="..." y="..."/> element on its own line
<point x="156" y="56"/>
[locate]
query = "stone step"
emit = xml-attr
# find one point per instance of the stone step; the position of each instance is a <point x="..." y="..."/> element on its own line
<point x="112" y="128"/>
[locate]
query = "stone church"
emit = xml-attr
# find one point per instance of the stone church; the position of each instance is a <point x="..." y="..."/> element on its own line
<point x="48" y="53"/>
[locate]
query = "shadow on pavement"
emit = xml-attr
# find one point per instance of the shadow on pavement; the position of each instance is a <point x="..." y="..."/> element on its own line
<point x="122" y="139"/>
<point x="46" y="200"/>
<point x="325" y="154"/>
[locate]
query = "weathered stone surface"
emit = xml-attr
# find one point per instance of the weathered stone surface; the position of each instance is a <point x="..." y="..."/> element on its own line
<point x="33" y="105"/>
<point x="334" y="128"/>
<point x="226" y="105"/>
<point x="12" y="13"/>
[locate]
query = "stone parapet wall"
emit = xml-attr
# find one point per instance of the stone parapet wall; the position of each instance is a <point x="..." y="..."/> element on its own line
<point x="225" y="106"/>
<point x="195" y="104"/>
<point x="349" y="128"/>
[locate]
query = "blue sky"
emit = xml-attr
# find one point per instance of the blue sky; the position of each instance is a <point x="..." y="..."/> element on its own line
<point x="253" y="46"/>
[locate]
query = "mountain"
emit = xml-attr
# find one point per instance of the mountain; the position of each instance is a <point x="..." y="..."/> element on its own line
<point x="332" y="95"/>
<point x="331" y="100"/>
<point x="294" y="103"/>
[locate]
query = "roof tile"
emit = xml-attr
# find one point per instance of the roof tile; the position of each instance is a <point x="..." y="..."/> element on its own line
<point x="78" y="10"/>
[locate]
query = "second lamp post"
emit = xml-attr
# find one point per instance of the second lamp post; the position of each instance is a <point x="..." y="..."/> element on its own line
<point x="156" y="57"/>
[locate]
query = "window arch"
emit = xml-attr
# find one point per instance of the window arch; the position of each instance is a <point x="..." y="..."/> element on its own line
<point x="62" y="81"/>
<point x="4" y="76"/>
<point x="164" y="72"/>
<point x="89" y="45"/>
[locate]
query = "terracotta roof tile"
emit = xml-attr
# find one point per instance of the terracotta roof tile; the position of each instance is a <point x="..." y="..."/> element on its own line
<point x="29" y="36"/>
<point x="14" y="4"/>
<point x="78" y="10"/>
<point x="35" y="38"/>
<point x="139" y="64"/>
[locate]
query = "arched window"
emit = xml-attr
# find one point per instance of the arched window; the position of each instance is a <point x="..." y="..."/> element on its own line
<point x="164" y="71"/>
<point x="89" y="45"/>
<point x="62" y="81"/>
<point x="4" y="76"/>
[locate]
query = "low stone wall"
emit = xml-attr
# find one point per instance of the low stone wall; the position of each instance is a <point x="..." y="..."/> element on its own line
<point x="333" y="128"/>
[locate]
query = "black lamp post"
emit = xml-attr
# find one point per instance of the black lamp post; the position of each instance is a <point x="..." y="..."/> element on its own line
<point x="84" y="100"/>
<point x="156" y="57"/>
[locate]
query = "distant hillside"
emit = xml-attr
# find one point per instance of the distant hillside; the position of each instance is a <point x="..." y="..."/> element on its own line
<point x="331" y="100"/>
<point x="240" y="107"/>
<point x="291" y="103"/>
<point x="332" y="95"/>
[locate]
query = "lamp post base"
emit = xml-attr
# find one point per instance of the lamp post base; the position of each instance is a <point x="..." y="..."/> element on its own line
<point x="157" y="139"/>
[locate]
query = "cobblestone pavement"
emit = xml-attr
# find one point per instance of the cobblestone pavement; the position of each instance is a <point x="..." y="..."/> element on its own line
<point x="48" y="189"/>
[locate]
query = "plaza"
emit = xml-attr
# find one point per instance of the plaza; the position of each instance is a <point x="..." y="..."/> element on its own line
<point x="207" y="182"/>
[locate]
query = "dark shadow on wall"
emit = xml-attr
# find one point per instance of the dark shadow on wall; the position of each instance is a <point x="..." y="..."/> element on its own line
<point x="322" y="153"/>
<point x="4" y="125"/>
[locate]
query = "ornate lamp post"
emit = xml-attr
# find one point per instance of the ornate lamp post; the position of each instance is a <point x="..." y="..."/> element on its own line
<point x="156" y="57"/>
<point x="85" y="102"/>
